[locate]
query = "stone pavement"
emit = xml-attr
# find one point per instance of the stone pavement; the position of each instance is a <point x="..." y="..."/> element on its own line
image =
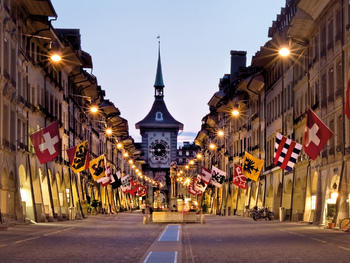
<point x="123" y="238"/>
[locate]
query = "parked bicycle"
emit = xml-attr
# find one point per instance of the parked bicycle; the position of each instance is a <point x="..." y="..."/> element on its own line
<point x="261" y="213"/>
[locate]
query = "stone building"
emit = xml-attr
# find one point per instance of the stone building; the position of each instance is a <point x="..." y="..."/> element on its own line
<point x="35" y="91"/>
<point x="275" y="92"/>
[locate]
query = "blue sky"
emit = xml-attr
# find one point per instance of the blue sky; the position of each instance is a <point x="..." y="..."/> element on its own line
<point x="196" y="39"/>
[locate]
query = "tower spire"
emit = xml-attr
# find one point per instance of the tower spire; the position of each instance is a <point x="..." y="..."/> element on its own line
<point x="159" y="84"/>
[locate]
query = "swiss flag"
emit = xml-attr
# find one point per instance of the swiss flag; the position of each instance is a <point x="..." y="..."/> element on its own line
<point x="316" y="135"/>
<point x="47" y="143"/>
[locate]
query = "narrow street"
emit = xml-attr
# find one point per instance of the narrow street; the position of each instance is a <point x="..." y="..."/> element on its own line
<point x="102" y="238"/>
<point x="123" y="238"/>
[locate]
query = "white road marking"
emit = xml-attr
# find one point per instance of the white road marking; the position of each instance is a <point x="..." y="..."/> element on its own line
<point x="26" y="239"/>
<point x="319" y="240"/>
<point x="58" y="231"/>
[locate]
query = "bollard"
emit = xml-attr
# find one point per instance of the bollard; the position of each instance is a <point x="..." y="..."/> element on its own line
<point x="202" y="219"/>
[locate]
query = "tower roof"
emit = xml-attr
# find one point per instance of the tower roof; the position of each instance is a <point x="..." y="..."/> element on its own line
<point x="159" y="116"/>
<point x="158" y="83"/>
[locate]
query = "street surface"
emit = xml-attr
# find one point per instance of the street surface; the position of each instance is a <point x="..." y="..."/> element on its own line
<point x="123" y="238"/>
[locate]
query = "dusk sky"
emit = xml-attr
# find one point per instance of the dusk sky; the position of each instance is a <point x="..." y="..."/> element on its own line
<point x="196" y="39"/>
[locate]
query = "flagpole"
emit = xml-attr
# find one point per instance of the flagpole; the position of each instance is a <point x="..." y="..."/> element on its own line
<point x="32" y="189"/>
<point x="341" y="179"/>
<point x="76" y="186"/>
<point x="50" y="190"/>
<point x="71" y="188"/>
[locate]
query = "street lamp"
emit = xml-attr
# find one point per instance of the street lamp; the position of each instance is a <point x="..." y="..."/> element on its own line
<point x="221" y="133"/>
<point x="199" y="156"/>
<point x="56" y="58"/>
<point x="284" y="52"/>
<point x="235" y="112"/>
<point x="93" y="109"/>
<point x="119" y="145"/>
<point x="109" y="131"/>
<point x="212" y="146"/>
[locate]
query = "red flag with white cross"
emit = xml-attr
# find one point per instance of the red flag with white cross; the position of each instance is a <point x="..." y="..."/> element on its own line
<point x="316" y="135"/>
<point x="47" y="143"/>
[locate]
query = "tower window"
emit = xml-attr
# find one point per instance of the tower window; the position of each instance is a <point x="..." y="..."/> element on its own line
<point x="159" y="116"/>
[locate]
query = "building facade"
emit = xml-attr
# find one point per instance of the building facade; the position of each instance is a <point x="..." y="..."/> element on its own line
<point x="273" y="95"/>
<point x="35" y="91"/>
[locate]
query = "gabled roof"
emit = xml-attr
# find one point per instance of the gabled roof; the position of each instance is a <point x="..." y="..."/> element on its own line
<point x="163" y="120"/>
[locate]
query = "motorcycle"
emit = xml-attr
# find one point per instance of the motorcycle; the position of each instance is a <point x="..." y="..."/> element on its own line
<point x="262" y="213"/>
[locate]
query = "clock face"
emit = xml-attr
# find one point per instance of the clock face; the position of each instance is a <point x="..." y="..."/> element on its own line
<point x="159" y="150"/>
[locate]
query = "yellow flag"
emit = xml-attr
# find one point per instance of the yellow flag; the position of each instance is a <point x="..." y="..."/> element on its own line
<point x="81" y="157"/>
<point x="97" y="167"/>
<point x="252" y="166"/>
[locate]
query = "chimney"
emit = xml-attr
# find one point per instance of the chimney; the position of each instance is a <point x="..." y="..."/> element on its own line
<point x="238" y="59"/>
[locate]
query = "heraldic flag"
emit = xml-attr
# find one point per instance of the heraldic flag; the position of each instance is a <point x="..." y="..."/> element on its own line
<point x="125" y="183"/>
<point x="199" y="185"/>
<point x="205" y="175"/>
<point x="286" y="152"/>
<point x="47" y="143"/>
<point x="79" y="157"/>
<point x="238" y="178"/>
<point x="252" y="166"/>
<point x="218" y="176"/>
<point x="97" y="167"/>
<point x="316" y="135"/>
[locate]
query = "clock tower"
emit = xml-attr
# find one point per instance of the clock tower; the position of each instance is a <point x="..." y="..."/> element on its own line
<point x="159" y="132"/>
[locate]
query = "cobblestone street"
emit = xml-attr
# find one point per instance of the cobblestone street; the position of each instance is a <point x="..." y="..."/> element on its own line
<point x="123" y="238"/>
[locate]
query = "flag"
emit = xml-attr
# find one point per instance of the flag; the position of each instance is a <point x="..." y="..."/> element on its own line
<point x="47" y="143"/>
<point x="217" y="176"/>
<point x="238" y="178"/>
<point x="125" y="183"/>
<point x="141" y="190"/>
<point x="206" y="175"/>
<point x="252" y="166"/>
<point x="79" y="157"/>
<point x="286" y="152"/>
<point x="191" y="188"/>
<point x="97" y="167"/>
<point x="347" y="100"/>
<point x="133" y="187"/>
<point x="316" y="135"/>
<point x="117" y="182"/>
<point x="199" y="184"/>
<point x="108" y="178"/>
